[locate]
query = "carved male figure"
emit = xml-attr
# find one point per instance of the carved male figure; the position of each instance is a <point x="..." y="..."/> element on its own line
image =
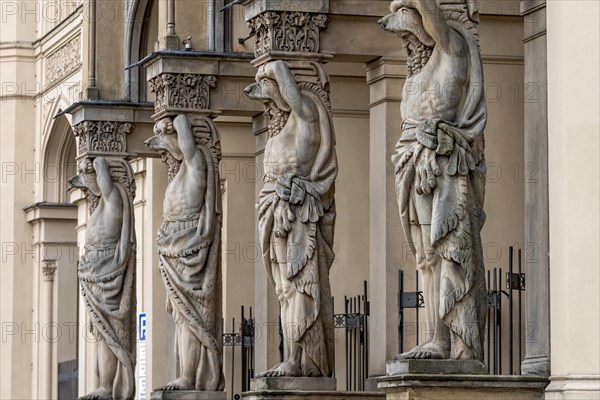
<point x="107" y="272"/>
<point x="440" y="169"/>
<point x="189" y="249"/>
<point x="297" y="212"/>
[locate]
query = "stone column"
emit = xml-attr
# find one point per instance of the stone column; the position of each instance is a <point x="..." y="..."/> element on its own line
<point x="172" y="40"/>
<point x="537" y="295"/>
<point x="389" y="253"/>
<point x="574" y="195"/>
<point x="48" y="271"/>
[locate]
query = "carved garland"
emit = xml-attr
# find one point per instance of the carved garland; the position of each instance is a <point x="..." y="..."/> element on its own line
<point x="48" y="269"/>
<point x="287" y="31"/>
<point x="64" y="61"/>
<point x="102" y="136"/>
<point x="182" y="91"/>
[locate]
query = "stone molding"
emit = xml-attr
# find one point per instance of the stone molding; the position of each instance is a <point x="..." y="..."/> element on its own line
<point x="49" y="269"/>
<point x="182" y="91"/>
<point x="102" y="137"/>
<point x="287" y="31"/>
<point x="64" y="61"/>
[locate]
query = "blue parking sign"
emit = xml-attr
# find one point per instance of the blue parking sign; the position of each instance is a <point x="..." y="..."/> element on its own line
<point x="142" y="321"/>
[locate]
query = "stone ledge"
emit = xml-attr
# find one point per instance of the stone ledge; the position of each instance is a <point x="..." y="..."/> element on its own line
<point x="463" y="387"/>
<point x="290" y="384"/>
<point x="187" y="395"/>
<point x="464" y="367"/>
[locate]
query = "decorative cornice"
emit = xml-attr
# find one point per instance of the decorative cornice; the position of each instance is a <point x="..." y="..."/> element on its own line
<point x="49" y="269"/>
<point x="102" y="137"/>
<point x="182" y="91"/>
<point x="287" y="31"/>
<point x="64" y="61"/>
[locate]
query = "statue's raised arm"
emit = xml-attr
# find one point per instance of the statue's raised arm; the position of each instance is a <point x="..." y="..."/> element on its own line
<point x="435" y="24"/>
<point x="104" y="179"/>
<point x="185" y="136"/>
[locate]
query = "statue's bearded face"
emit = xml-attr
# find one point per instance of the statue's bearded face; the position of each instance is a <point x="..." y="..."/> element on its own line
<point x="86" y="178"/>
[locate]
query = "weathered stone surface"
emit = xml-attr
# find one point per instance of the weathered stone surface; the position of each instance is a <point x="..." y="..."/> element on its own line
<point x="312" y="395"/>
<point x="301" y="384"/>
<point x="189" y="247"/>
<point x="412" y="366"/>
<point x="463" y="387"/>
<point x="187" y="395"/>
<point x="440" y="169"/>
<point x="537" y="295"/>
<point x="296" y="210"/>
<point x="106" y="271"/>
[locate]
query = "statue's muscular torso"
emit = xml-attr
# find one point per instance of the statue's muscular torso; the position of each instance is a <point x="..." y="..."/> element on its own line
<point x="436" y="91"/>
<point x="105" y="224"/>
<point x="185" y="194"/>
<point x="294" y="149"/>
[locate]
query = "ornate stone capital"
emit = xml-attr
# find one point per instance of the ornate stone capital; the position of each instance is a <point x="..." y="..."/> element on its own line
<point x="287" y="31"/>
<point x="182" y="92"/>
<point x="98" y="138"/>
<point x="49" y="269"/>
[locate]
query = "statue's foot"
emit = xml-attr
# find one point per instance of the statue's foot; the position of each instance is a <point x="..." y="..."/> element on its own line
<point x="429" y="351"/>
<point x="178" y="384"/>
<point x="98" y="394"/>
<point x="287" y="368"/>
<point x="408" y="355"/>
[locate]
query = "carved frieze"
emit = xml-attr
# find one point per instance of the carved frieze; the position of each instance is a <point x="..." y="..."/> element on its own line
<point x="102" y="136"/>
<point x="287" y="31"/>
<point x="182" y="91"/>
<point x="64" y="61"/>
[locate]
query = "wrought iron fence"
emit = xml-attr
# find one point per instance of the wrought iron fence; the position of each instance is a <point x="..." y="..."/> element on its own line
<point x="355" y="322"/>
<point x="245" y="339"/>
<point x="497" y="294"/>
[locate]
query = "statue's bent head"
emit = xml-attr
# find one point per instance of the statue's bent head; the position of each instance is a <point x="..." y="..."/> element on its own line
<point x="407" y="23"/>
<point x="268" y="91"/>
<point x="165" y="140"/>
<point x="86" y="178"/>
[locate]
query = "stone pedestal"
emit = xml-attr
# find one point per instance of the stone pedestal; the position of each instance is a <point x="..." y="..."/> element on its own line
<point x="300" y="383"/>
<point x="432" y="367"/>
<point x="302" y="388"/>
<point x="312" y="395"/>
<point x="464" y="387"/>
<point x="187" y="395"/>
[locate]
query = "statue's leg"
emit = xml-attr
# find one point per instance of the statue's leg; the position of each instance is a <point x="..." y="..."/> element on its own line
<point x="188" y="350"/>
<point x="291" y="366"/>
<point x="430" y="264"/>
<point x="189" y="354"/>
<point x="424" y="266"/>
<point x="107" y="362"/>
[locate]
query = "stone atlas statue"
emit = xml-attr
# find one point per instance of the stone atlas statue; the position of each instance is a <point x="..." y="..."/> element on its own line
<point x="440" y="169"/>
<point x="189" y="247"/>
<point x="296" y="210"/>
<point x="107" y="272"/>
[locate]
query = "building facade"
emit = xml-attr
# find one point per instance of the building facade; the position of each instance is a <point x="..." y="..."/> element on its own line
<point x="68" y="63"/>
